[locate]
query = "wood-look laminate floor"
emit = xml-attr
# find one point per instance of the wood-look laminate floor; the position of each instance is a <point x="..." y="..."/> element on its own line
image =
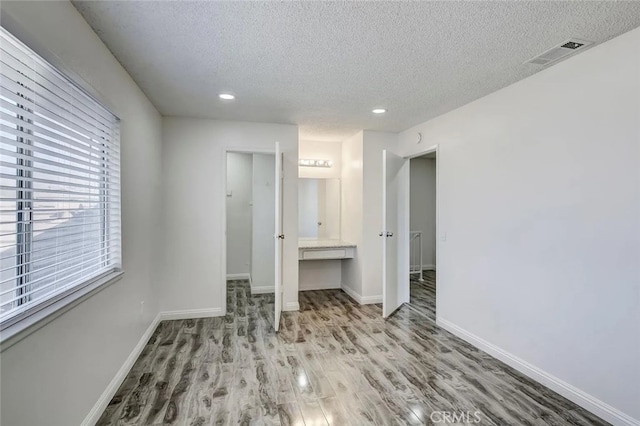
<point x="334" y="362"/>
<point x="423" y="293"/>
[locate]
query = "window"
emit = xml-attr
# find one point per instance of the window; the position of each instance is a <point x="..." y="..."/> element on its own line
<point x="59" y="185"/>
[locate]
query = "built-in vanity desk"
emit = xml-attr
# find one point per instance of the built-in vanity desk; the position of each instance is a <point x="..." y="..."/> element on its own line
<point x="325" y="249"/>
<point x="321" y="251"/>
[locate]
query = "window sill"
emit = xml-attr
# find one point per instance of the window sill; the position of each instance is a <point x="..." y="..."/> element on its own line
<point x="18" y="331"/>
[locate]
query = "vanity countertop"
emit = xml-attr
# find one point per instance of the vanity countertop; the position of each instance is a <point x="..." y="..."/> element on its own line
<point x="311" y="244"/>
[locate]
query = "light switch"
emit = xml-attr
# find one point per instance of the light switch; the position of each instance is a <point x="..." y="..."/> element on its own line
<point x="443" y="237"/>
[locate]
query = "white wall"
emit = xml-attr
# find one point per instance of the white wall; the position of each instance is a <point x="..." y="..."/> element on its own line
<point x="320" y="274"/>
<point x="351" y="214"/>
<point x="55" y="375"/>
<point x="540" y="202"/>
<point x="423" y="207"/>
<point x="194" y="158"/>
<point x="321" y="151"/>
<point x="239" y="217"/>
<point x="263" y="248"/>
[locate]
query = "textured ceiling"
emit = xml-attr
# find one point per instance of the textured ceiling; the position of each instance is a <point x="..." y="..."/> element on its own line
<point x="325" y="65"/>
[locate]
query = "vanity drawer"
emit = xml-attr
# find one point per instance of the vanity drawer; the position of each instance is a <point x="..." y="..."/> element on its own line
<point x="324" y="254"/>
<point x="320" y="253"/>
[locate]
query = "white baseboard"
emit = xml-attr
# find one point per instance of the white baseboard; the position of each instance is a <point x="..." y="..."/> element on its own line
<point x="371" y="300"/>
<point x="351" y="293"/>
<point x="311" y="287"/>
<point x="581" y="398"/>
<point x="263" y="289"/>
<point x="244" y="276"/>
<point x="292" y="306"/>
<point x="190" y="313"/>
<point x="362" y="300"/>
<point x="99" y="407"/>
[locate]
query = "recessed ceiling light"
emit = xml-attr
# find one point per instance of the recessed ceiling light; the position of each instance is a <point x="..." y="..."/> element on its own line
<point x="379" y="111"/>
<point x="226" y="96"/>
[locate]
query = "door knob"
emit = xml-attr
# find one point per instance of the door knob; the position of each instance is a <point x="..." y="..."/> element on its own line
<point x="281" y="236"/>
<point x="389" y="234"/>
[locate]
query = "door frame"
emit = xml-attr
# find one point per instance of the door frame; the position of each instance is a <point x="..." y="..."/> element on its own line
<point x="433" y="148"/>
<point x="226" y="150"/>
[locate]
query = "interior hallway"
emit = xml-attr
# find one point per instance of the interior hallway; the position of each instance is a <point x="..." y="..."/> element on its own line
<point x="334" y="362"/>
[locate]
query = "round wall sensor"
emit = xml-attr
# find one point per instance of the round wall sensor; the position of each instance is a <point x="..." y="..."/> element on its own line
<point x="419" y="137"/>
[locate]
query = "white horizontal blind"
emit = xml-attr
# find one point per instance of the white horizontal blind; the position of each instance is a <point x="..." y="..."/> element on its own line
<point x="59" y="184"/>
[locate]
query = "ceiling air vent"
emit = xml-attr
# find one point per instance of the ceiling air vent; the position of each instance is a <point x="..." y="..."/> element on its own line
<point x="561" y="51"/>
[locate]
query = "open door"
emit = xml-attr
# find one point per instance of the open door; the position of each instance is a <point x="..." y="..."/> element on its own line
<point x="279" y="237"/>
<point x="395" y="232"/>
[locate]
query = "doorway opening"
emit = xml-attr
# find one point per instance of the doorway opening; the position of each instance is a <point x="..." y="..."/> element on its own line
<point x="405" y="253"/>
<point x="423" y="239"/>
<point x="250" y="229"/>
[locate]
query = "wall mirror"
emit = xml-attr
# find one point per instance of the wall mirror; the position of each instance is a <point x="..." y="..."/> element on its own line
<point x="319" y="212"/>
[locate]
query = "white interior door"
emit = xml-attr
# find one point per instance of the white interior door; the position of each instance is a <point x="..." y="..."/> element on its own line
<point x="279" y="237"/>
<point x="395" y="232"/>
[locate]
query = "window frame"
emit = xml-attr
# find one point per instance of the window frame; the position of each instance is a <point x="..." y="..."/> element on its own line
<point x="19" y="325"/>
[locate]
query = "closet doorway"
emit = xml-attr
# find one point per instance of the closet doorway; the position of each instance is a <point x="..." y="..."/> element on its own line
<point x="253" y="258"/>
